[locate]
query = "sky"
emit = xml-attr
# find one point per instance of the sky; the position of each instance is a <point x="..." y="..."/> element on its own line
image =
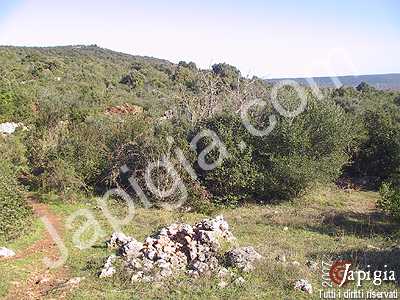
<point x="268" y="39"/>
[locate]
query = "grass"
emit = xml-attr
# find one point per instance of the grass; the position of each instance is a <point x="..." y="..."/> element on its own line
<point x="18" y="270"/>
<point x="323" y="226"/>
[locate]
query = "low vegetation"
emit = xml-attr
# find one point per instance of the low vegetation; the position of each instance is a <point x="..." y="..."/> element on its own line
<point x="390" y="199"/>
<point x="94" y="119"/>
<point x="15" y="213"/>
<point x="322" y="226"/>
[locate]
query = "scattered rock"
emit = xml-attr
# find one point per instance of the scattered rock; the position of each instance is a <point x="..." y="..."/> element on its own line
<point x="168" y="115"/>
<point x="194" y="249"/>
<point x="75" y="280"/>
<point x="118" y="239"/>
<point x="224" y="273"/>
<point x="303" y="285"/>
<point x="131" y="248"/>
<point x="126" y="245"/>
<point x="10" y="127"/>
<point x="222" y="284"/>
<point x="239" y="281"/>
<point x="285" y="228"/>
<point x="4" y="252"/>
<point x="108" y="269"/>
<point x="281" y="258"/>
<point x="295" y="263"/>
<point x="312" y="265"/>
<point x="243" y="258"/>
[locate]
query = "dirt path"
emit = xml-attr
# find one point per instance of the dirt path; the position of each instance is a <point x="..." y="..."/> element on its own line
<point x="42" y="280"/>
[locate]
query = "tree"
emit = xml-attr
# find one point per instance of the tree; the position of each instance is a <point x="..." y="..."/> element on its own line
<point x="364" y="87"/>
<point x="191" y="65"/>
<point x="135" y="79"/>
<point x="397" y="100"/>
<point x="229" y="74"/>
<point x="379" y="154"/>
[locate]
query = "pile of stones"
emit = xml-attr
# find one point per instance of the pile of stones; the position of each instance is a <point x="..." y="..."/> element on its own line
<point x="194" y="249"/>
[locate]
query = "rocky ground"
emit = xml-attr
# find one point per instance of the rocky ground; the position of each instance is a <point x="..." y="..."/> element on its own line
<point x="193" y="249"/>
<point x="169" y="255"/>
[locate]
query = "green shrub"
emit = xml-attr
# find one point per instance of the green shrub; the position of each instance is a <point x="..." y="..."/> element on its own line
<point x="15" y="213"/>
<point x="230" y="75"/>
<point x="397" y="100"/>
<point x="186" y="76"/>
<point x="6" y="104"/>
<point x="60" y="176"/>
<point x="235" y="179"/>
<point x="73" y="146"/>
<point x="390" y="199"/>
<point x="311" y="148"/>
<point x="379" y="154"/>
<point x="14" y="107"/>
<point x="149" y="148"/>
<point x="364" y="87"/>
<point x="79" y="155"/>
<point x="72" y="157"/>
<point x="13" y="151"/>
<point x="134" y="80"/>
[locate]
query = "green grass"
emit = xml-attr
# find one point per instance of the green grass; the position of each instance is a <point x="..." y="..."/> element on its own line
<point x="325" y="225"/>
<point x="18" y="270"/>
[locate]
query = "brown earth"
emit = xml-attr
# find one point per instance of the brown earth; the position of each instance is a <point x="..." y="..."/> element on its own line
<point x="42" y="280"/>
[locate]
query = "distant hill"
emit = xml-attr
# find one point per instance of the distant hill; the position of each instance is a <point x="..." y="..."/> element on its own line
<point x="90" y="80"/>
<point x="379" y="81"/>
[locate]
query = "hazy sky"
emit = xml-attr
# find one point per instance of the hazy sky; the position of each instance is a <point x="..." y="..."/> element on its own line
<point x="264" y="38"/>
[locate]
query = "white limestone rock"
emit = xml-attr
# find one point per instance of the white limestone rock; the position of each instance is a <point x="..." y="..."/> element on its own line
<point x="303" y="285"/>
<point x="243" y="258"/>
<point x="108" y="269"/>
<point x="4" y="252"/>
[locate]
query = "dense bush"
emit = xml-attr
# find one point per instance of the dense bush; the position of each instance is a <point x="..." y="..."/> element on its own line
<point x="311" y="148"/>
<point x="154" y="147"/>
<point x="14" y="211"/>
<point x="88" y="156"/>
<point x="364" y="87"/>
<point x="185" y="74"/>
<point x="13" y="151"/>
<point x="14" y="107"/>
<point x="75" y="145"/>
<point x="236" y="177"/>
<point x="229" y="74"/>
<point x="76" y="155"/>
<point x="390" y="199"/>
<point x="379" y="154"/>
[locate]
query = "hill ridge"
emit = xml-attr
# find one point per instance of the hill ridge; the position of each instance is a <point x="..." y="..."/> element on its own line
<point x="388" y="81"/>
